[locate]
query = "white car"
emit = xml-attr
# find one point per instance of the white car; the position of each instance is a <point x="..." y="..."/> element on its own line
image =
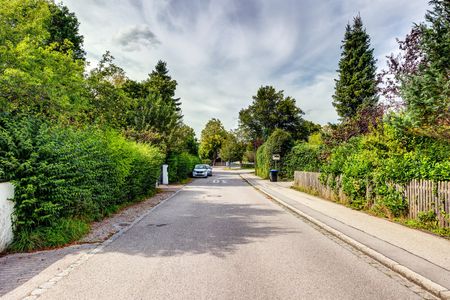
<point x="209" y="170"/>
<point x="200" y="171"/>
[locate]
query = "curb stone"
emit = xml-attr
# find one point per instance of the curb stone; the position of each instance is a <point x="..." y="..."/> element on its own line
<point x="52" y="282"/>
<point x="427" y="284"/>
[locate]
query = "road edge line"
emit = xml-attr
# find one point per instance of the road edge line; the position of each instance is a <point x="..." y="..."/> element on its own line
<point x="52" y="282"/>
<point x="429" y="285"/>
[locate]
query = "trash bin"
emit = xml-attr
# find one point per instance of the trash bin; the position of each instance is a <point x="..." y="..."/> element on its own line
<point x="273" y="175"/>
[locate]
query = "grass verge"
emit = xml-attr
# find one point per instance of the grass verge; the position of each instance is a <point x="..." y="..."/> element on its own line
<point x="63" y="232"/>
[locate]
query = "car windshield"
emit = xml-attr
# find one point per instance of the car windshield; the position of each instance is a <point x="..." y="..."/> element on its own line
<point x="200" y="167"/>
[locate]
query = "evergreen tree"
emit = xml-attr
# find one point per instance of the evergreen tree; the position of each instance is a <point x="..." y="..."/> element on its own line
<point x="356" y="85"/>
<point x="160" y="82"/>
<point x="427" y="91"/>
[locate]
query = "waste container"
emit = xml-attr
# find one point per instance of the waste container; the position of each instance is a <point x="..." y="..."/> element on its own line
<point x="273" y="175"/>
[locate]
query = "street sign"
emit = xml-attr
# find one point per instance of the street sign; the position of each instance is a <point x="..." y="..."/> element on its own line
<point x="276" y="157"/>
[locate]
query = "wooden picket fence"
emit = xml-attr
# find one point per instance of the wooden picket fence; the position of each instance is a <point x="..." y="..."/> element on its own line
<point x="422" y="195"/>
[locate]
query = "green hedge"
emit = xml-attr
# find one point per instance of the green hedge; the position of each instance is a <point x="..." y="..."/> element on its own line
<point x="302" y="157"/>
<point x="64" y="176"/>
<point x="279" y="142"/>
<point x="181" y="166"/>
<point x="383" y="158"/>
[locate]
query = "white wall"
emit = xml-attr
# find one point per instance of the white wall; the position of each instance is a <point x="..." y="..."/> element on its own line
<point x="6" y="210"/>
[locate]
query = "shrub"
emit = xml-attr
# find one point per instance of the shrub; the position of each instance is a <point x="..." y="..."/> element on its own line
<point x="61" y="173"/>
<point x="279" y="142"/>
<point x="378" y="161"/>
<point x="181" y="166"/>
<point x="302" y="157"/>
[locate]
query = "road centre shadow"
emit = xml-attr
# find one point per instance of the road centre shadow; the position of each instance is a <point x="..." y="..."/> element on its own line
<point x="201" y="226"/>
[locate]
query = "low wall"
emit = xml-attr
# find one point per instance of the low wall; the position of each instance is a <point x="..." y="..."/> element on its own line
<point x="6" y="210"/>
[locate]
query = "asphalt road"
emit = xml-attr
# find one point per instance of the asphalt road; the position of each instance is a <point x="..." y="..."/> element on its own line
<point x="221" y="239"/>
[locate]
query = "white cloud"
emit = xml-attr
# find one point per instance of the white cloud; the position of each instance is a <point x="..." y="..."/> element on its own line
<point x="221" y="52"/>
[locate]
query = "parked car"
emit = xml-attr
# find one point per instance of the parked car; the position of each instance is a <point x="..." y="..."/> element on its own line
<point x="200" y="171"/>
<point x="209" y="170"/>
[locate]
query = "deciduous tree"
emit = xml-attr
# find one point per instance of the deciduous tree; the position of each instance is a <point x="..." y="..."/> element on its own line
<point x="35" y="79"/>
<point x="232" y="148"/>
<point x="63" y="29"/>
<point x="271" y="110"/>
<point x="211" y="140"/>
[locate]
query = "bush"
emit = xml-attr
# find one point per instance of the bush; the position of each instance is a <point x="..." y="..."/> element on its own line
<point x="279" y="142"/>
<point x="302" y="157"/>
<point x="384" y="158"/>
<point x="61" y="173"/>
<point x="181" y="166"/>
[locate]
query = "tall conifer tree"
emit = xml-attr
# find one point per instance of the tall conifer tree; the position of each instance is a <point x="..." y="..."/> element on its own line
<point x="356" y="85"/>
<point x="160" y="82"/>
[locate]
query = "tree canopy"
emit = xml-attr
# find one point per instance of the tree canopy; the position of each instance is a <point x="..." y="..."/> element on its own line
<point x="270" y="110"/>
<point x="211" y="140"/>
<point x="63" y="29"/>
<point x="36" y="78"/>
<point x="232" y="148"/>
<point x="421" y="74"/>
<point x="356" y="85"/>
<point x="160" y="82"/>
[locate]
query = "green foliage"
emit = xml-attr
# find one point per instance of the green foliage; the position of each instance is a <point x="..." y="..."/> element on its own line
<point x="181" y="166"/>
<point x="232" y="149"/>
<point x="212" y="137"/>
<point x="108" y="103"/>
<point x="65" y="173"/>
<point x="154" y="115"/>
<point x="35" y="78"/>
<point x="382" y="159"/>
<point x="427" y="91"/>
<point x="279" y="142"/>
<point x="161" y="83"/>
<point x="61" y="232"/>
<point x="426" y="221"/>
<point x="356" y="85"/>
<point x="366" y="119"/>
<point x="63" y="29"/>
<point x="271" y="110"/>
<point x="263" y="161"/>
<point x="302" y="157"/>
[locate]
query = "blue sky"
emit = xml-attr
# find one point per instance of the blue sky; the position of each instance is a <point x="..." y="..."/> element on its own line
<point x="222" y="51"/>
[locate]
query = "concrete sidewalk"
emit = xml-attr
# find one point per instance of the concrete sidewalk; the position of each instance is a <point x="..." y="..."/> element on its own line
<point x="424" y="254"/>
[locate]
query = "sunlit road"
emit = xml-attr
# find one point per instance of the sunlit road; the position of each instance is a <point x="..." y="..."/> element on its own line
<point x="221" y="239"/>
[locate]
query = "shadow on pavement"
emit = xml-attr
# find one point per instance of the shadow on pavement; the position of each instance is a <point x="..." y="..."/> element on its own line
<point x="196" y="222"/>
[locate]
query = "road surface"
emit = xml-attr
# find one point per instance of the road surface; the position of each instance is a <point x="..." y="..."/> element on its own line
<point x="219" y="238"/>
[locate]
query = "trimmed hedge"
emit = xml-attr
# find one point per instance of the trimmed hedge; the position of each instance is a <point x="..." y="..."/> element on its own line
<point x="302" y="157"/>
<point x="61" y="173"/>
<point x="279" y="142"/>
<point x="181" y="166"/>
